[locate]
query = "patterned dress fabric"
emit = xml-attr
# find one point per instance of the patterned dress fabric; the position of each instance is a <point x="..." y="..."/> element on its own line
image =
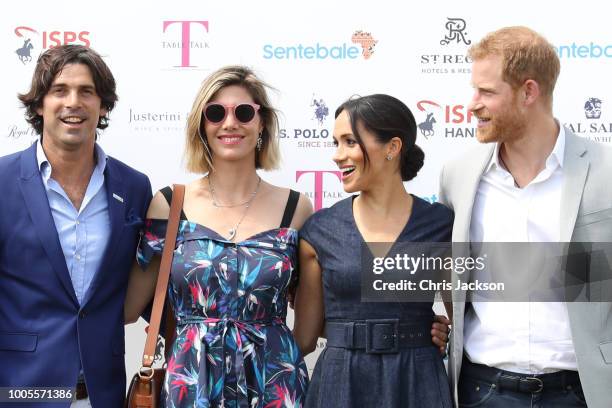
<point x="232" y="347"/>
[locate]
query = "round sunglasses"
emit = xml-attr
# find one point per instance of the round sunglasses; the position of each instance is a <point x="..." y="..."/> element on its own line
<point x="217" y="112"/>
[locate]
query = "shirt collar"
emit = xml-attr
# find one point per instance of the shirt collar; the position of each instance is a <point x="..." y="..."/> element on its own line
<point x="45" y="167"/>
<point x="554" y="158"/>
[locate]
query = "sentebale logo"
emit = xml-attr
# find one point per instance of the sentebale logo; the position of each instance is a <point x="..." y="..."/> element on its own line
<point x="319" y="51"/>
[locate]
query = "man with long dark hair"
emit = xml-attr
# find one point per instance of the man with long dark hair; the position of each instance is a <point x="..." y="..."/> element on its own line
<point x="69" y="222"/>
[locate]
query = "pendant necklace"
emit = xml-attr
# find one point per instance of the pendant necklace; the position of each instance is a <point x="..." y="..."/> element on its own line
<point x="232" y="231"/>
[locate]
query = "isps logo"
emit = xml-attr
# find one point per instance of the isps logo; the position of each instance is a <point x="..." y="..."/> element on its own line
<point x="454" y="118"/>
<point x="32" y="42"/>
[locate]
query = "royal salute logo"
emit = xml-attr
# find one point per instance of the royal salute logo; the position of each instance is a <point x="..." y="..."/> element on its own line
<point x="15" y="132"/>
<point x="32" y="42"/>
<point x="592" y="108"/>
<point x="314" y="134"/>
<point x="450" y="56"/>
<point x="454" y="119"/>
<point x="185" y="42"/>
<point x="596" y="127"/>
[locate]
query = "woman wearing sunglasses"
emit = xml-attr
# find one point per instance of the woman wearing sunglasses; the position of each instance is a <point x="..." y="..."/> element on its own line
<point x="235" y="254"/>
<point x="377" y="354"/>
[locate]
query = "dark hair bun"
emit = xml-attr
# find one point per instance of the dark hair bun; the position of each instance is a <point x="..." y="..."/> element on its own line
<point x="411" y="162"/>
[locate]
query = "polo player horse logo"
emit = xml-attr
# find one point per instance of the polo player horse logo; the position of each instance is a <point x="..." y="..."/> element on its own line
<point x="24" y="52"/>
<point x="321" y="111"/>
<point x="427" y="126"/>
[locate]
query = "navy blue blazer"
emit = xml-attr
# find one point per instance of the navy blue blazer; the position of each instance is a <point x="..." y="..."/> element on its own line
<point x="43" y="329"/>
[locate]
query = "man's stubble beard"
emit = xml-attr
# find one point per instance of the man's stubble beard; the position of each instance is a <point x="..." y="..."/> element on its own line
<point x="505" y="127"/>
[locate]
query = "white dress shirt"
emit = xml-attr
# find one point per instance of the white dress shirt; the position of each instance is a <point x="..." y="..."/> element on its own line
<point x="523" y="337"/>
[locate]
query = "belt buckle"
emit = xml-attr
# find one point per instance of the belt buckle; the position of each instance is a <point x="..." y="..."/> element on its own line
<point x="540" y="383"/>
<point x="382" y="336"/>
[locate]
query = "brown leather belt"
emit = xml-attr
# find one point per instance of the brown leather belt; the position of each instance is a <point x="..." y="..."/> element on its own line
<point x="81" y="391"/>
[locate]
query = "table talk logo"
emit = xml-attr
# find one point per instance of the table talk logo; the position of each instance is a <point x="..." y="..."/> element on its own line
<point x="32" y="42"/>
<point x="366" y="45"/>
<point x="185" y="41"/>
<point x="450" y="56"/>
<point x="323" y="194"/>
<point x="313" y="134"/>
<point x="594" y="127"/>
<point x="454" y="118"/>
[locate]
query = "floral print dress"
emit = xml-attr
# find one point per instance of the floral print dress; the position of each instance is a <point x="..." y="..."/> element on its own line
<point x="232" y="347"/>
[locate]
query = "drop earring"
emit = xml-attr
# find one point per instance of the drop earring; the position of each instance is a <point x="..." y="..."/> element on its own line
<point x="259" y="142"/>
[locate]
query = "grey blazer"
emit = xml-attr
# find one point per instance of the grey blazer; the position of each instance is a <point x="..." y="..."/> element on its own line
<point x="586" y="216"/>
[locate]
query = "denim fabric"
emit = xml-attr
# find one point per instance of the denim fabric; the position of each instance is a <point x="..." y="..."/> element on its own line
<point x="413" y="377"/>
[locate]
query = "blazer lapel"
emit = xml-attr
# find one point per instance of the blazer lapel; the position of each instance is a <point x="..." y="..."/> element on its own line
<point x="37" y="203"/>
<point x="463" y="203"/>
<point x="576" y="169"/>
<point x="116" y="209"/>
<point x="475" y="167"/>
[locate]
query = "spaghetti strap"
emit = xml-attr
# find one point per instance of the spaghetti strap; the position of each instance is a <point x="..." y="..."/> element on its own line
<point x="292" y="201"/>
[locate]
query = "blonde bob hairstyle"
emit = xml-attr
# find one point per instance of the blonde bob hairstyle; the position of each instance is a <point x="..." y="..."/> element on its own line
<point x="197" y="152"/>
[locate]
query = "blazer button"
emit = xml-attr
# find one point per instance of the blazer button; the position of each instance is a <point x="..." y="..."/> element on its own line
<point x="82" y="314"/>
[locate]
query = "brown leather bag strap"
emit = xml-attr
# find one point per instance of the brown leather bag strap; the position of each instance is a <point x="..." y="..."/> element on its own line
<point x="164" y="275"/>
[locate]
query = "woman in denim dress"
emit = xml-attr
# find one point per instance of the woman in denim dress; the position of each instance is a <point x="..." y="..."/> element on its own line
<point x="378" y="354"/>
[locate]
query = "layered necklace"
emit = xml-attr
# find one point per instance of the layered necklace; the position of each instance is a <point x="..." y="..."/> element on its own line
<point x="232" y="231"/>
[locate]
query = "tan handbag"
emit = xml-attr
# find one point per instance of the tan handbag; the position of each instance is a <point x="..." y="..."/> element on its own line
<point x="146" y="385"/>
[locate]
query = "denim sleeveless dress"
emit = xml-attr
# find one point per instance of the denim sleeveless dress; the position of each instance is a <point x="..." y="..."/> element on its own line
<point x="345" y="377"/>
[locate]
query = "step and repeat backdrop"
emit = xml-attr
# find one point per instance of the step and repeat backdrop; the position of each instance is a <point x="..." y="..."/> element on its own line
<point x="316" y="54"/>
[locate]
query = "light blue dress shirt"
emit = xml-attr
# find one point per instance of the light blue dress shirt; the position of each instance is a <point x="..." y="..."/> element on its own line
<point x="83" y="233"/>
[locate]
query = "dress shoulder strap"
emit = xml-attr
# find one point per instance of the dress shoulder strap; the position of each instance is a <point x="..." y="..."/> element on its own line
<point x="167" y="193"/>
<point x="292" y="202"/>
